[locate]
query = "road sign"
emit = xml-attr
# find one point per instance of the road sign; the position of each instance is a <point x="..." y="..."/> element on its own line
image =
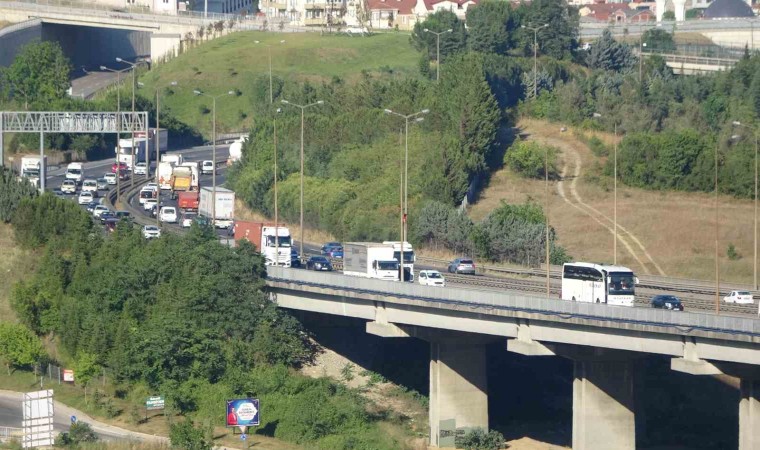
<point x="73" y="420"/>
<point x="243" y="437"/>
<point x="155" y="402"/>
<point x="68" y="375"/>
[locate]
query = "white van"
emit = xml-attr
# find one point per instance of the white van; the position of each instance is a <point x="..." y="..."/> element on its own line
<point x="75" y="171"/>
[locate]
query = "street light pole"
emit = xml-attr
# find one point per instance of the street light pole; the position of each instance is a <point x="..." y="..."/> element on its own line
<point x="614" y="208"/>
<point x="118" y="128"/>
<point x="269" y="50"/>
<point x="717" y="267"/>
<point x="535" y="55"/>
<point x="158" y="147"/>
<point x="276" y="218"/>
<point x="303" y="108"/>
<point x="134" y="85"/>
<point x="213" y="147"/>
<point x="438" y="50"/>
<point x="406" y="170"/>
<point x="546" y="195"/>
<point x="754" y="218"/>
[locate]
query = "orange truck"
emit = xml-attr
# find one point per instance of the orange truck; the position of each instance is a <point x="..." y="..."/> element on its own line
<point x="188" y="200"/>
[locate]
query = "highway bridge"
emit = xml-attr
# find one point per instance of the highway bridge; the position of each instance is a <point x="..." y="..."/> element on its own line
<point x="604" y="342"/>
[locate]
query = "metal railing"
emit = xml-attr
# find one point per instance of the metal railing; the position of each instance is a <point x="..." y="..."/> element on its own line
<point x="19" y="26"/>
<point x="730" y="327"/>
<point x="7" y="433"/>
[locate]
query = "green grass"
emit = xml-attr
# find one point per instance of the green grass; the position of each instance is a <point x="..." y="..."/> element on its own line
<point x="234" y="61"/>
<point x="15" y="264"/>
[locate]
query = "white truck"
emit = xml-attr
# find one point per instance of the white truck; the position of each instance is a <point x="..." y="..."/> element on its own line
<point x="370" y="260"/>
<point x="31" y="168"/>
<point x="75" y="171"/>
<point x="225" y="206"/>
<point x="174" y="158"/>
<point x="124" y="150"/>
<point x="236" y="150"/>
<point x="165" y="170"/>
<point x="408" y="261"/>
<point x="262" y="236"/>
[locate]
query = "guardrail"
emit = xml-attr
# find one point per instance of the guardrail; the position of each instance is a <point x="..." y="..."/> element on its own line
<point x="8" y="433"/>
<point x="677" y="322"/>
<point x="19" y="26"/>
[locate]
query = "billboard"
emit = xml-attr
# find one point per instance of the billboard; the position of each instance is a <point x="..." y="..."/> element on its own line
<point x="38" y="419"/>
<point x="243" y="412"/>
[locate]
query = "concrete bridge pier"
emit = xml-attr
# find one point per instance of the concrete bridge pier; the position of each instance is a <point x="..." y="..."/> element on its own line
<point x="604" y="416"/>
<point x="749" y="414"/>
<point x="458" y="389"/>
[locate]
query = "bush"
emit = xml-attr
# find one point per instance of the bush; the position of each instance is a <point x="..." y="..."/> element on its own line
<point x="12" y="191"/>
<point x="79" y="433"/>
<point x="184" y="435"/>
<point x="530" y="159"/>
<point x="732" y="254"/>
<point x="480" y="439"/>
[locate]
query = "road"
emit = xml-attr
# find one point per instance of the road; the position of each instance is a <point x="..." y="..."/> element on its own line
<point x="90" y="82"/>
<point x="11" y="414"/>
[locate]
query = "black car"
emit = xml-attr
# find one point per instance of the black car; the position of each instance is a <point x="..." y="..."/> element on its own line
<point x="91" y="206"/>
<point x="667" y="302"/>
<point x="295" y="260"/>
<point x="318" y="263"/>
<point x="331" y="247"/>
<point x="108" y="215"/>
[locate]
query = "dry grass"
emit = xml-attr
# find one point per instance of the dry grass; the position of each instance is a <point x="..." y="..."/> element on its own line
<point x="677" y="228"/>
<point x="310" y="235"/>
<point x="15" y="264"/>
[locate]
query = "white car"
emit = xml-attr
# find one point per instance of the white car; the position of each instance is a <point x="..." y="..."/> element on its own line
<point x="356" y="30"/>
<point x="149" y="203"/>
<point x="151" y="231"/>
<point x="85" y="198"/>
<point x="147" y="193"/>
<point x="90" y="185"/>
<point x="100" y="209"/>
<point x="151" y="185"/>
<point x="141" y="168"/>
<point x="168" y="214"/>
<point x="739" y="297"/>
<point x="431" y="278"/>
<point x="187" y="219"/>
<point x="110" y="178"/>
<point x="207" y="166"/>
<point x="69" y="187"/>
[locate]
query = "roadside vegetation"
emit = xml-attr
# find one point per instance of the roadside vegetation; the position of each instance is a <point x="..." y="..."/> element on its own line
<point x="181" y="317"/>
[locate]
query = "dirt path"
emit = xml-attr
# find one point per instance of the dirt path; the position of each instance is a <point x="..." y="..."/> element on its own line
<point x="624" y="235"/>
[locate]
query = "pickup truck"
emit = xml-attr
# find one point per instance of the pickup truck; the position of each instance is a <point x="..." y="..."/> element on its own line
<point x="739" y="297"/>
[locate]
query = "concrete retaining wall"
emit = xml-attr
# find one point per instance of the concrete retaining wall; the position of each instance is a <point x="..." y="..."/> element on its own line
<point x="13" y="38"/>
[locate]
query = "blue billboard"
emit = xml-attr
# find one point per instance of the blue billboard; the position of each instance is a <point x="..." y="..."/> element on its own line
<point x="243" y="412"/>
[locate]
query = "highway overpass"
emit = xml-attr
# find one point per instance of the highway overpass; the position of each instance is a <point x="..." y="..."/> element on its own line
<point x="604" y="342"/>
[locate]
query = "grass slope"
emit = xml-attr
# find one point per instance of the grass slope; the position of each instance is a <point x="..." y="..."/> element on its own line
<point x="677" y="228"/>
<point x="15" y="264"/>
<point x="234" y="61"/>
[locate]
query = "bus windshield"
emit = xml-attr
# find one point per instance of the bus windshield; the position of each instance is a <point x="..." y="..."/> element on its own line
<point x="621" y="283"/>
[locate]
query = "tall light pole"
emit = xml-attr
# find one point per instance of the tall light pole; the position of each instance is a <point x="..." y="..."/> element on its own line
<point x="276" y="218"/>
<point x="269" y="49"/>
<point x="438" y="50"/>
<point x="118" y="127"/>
<point x="134" y="85"/>
<point x="535" y="55"/>
<point x="717" y="266"/>
<point x="546" y="196"/>
<point x="614" y="175"/>
<point x="303" y="108"/>
<point x="213" y="147"/>
<point x="754" y="236"/>
<point x="406" y="118"/>
<point x="641" y="57"/>
<point x="158" y="145"/>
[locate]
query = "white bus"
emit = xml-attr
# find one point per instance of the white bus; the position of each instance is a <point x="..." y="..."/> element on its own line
<point x="598" y="283"/>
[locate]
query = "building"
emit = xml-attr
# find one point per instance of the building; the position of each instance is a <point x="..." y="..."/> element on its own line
<point x="615" y="13"/>
<point x="724" y="9"/>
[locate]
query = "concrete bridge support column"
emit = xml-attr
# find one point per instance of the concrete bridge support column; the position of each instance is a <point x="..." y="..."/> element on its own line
<point x="458" y="390"/>
<point x="603" y="412"/>
<point x="749" y="415"/>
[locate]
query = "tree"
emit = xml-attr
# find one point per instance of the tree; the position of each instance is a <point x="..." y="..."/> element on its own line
<point x="492" y="26"/>
<point x="12" y="191"/>
<point x="439" y="21"/>
<point x="19" y="347"/>
<point x="184" y="435"/>
<point x="85" y="369"/>
<point x="39" y="73"/>
<point x="658" y="40"/>
<point x="480" y="439"/>
<point x="669" y="15"/>
<point x="608" y="54"/>
<point x="559" y="39"/>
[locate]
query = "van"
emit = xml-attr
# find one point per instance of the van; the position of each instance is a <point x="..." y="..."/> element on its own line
<point x="75" y="171"/>
<point x="207" y="167"/>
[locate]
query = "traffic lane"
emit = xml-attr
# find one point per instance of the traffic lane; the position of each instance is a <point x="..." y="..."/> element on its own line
<point x="91" y="82"/>
<point x="96" y="169"/>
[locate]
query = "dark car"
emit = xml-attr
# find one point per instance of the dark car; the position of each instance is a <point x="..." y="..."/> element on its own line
<point x="667" y="302"/>
<point x="108" y="215"/>
<point x="91" y="206"/>
<point x="462" y="265"/>
<point x="295" y="260"/>
<point x="122" y="214"/>
<point x="332" y="247"/>
<point x="318" y="263"/>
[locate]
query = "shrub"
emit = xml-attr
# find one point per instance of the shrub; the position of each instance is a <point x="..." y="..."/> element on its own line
<point x="480" y="439"/>
<point x="79" y="433"/>
<point x="732" y="254"/>
<point x="184" y="435"/>
<point x="531" y="159"/>
<point x="12" y="191"/>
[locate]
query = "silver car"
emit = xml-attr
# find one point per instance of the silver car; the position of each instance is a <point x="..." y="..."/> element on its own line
<point x="462" y="265"/>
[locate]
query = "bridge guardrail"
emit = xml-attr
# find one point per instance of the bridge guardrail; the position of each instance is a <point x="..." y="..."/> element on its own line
<point x="677" y="322"/>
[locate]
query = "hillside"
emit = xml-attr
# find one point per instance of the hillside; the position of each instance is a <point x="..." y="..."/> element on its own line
<point x="15" y="264"/>
<point x="234" y="62"/>
<point x="668" y="233"/>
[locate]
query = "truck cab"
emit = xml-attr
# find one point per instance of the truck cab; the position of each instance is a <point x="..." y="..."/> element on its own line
<point x="408" y="256"/>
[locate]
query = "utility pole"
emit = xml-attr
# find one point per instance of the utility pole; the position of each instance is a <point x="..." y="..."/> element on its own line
<point x="269" y="49"/>
<point x="438" y="51"/>
<point x="535" y="55"/>
<point x="303" y="108"/>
